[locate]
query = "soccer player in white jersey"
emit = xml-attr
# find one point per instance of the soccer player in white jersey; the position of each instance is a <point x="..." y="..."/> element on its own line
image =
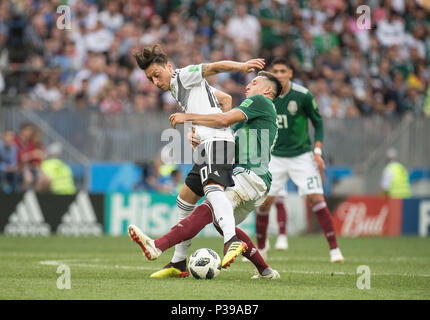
<point x="194" y="95"/>
<point x="254" y="123"/>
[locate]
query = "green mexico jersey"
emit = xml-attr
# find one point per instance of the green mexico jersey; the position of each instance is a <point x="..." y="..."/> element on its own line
<point x="255" y="136"/>
<point x="293" y="111"/>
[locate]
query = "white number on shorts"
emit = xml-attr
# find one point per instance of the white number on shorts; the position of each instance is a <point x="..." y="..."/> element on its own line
<point x="204" y="174"/>
<point x="313" y="182"/>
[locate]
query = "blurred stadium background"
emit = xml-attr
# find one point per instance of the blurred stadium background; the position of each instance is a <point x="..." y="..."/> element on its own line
<point x="90" y="106"/>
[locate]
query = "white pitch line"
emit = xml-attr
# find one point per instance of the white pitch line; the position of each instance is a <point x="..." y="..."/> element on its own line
<point x="86" y="265"/>
<point x="350" y="259"/>
<point x="104" y="266"/>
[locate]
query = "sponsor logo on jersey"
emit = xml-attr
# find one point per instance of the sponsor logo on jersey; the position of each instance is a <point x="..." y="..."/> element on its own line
<point x="27" y="219"/>
<point x="193" y="68"/>
<point x="246" y="103"/>
<point x="292" y="107"/>
<point x="80" y="218"/>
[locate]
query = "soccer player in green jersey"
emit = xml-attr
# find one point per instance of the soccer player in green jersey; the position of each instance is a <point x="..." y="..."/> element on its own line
<point x="293" y="157"/>
<point x="255" y="134"/>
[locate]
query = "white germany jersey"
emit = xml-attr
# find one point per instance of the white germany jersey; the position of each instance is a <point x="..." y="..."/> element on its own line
<point x="195" y="95"/>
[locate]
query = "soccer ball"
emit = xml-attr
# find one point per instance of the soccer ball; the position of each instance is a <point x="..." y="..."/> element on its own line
<point x="204" y="264"/>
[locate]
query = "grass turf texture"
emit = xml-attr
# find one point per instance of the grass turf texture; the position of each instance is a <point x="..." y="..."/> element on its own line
<point x="114" y="268"/>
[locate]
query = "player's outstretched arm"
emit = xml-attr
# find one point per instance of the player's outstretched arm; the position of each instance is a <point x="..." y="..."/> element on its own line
<point x="210" y="69"/>
<point x="225" y="100"/>
<point x="218" y="120"/>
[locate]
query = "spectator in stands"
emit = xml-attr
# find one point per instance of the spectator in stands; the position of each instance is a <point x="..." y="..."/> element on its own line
<point x="157" y="177"/>
<point x="327" y="39"/>
<point x="395" y="177"/>
<point x="111" y="102"/>
<point x="306" y="53"/>
<point x="98" y="39"/>
<point x="391" y="29"/>
<point x="332" y="66"/>
<point x="414" y="102"/>
<point x="8" y="163"/>
<point x="243" y="27"/>
<point x="273" y="17"/>
<point x="24" y="145"/>
<point x="111" y="17"/>
<point x="38" y="152"/>
<point x="94" y="73"/>
<point x="358" y="81"/>
<point x="124" y="94"/>
<point x="57" y="175"/>
<point x="139" y="103"/>
<point x="176" y="181"/>
<point x="49" y="93"/>
<point x="321" y="38"/>
<point x="33" y="156"/>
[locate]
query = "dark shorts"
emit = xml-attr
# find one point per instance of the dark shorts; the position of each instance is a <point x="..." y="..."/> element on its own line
<point x="214" y="165"/>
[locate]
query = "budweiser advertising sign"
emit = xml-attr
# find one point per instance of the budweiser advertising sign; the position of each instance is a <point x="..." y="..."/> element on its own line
<point x="368" y="216"/>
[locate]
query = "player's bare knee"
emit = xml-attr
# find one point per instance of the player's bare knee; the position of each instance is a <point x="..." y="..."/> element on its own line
<point x="188" y="195"/>
<point x="315" y="198"/>
<point x="267" y="204"/>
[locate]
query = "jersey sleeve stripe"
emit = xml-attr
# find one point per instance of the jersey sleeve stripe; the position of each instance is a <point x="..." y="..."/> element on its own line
<point x="183" y="94"/>
<point x="210" y="97"/>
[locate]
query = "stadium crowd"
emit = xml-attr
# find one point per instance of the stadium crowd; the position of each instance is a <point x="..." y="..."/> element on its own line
<point x="26" y="163"/>
<point x="351" y="71"/>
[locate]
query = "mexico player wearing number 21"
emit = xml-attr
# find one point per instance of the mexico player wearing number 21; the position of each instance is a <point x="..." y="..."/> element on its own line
<point x="292" y="158"/>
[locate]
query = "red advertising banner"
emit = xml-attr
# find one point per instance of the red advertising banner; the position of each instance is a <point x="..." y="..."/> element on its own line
<point x="368" y="216"/>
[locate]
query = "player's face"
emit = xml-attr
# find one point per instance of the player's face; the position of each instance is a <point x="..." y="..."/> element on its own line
<point x="160" y="75"/>
<point x="256" y="86"/>
<point x="283" y="73"/>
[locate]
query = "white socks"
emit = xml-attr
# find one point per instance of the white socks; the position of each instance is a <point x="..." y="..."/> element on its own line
<point x="223" y="210"/>
<point x="181" y="249"/>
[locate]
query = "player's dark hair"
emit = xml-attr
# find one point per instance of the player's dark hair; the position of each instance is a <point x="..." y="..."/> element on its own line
<point x="277" y="86"/>
<point x="150" y="55"/>
<point x="280" y="60"/>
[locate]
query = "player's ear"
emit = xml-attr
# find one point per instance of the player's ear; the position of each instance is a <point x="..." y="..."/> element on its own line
<point x="268" y="90"/>
<point x="169" y="66"/>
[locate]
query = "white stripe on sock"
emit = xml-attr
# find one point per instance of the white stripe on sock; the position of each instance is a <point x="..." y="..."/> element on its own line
<point x="319" y="206"/>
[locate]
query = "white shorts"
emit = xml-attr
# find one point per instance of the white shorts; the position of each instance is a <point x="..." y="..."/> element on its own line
<point x="302" y="169"/>
<point x="248" y="193"/>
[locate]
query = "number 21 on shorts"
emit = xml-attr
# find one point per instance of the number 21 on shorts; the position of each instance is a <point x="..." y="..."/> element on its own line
<point x="313" y="182"/>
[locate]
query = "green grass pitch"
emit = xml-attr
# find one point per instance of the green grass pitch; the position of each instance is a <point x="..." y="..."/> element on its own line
<point x="114" y="268"/>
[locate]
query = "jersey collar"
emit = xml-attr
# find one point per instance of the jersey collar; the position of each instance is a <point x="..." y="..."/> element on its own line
<point x="283" y="95"/>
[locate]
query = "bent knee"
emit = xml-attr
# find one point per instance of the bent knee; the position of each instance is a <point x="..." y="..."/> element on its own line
<point x="267" y="204"/>
<point x="315" y="198"/>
